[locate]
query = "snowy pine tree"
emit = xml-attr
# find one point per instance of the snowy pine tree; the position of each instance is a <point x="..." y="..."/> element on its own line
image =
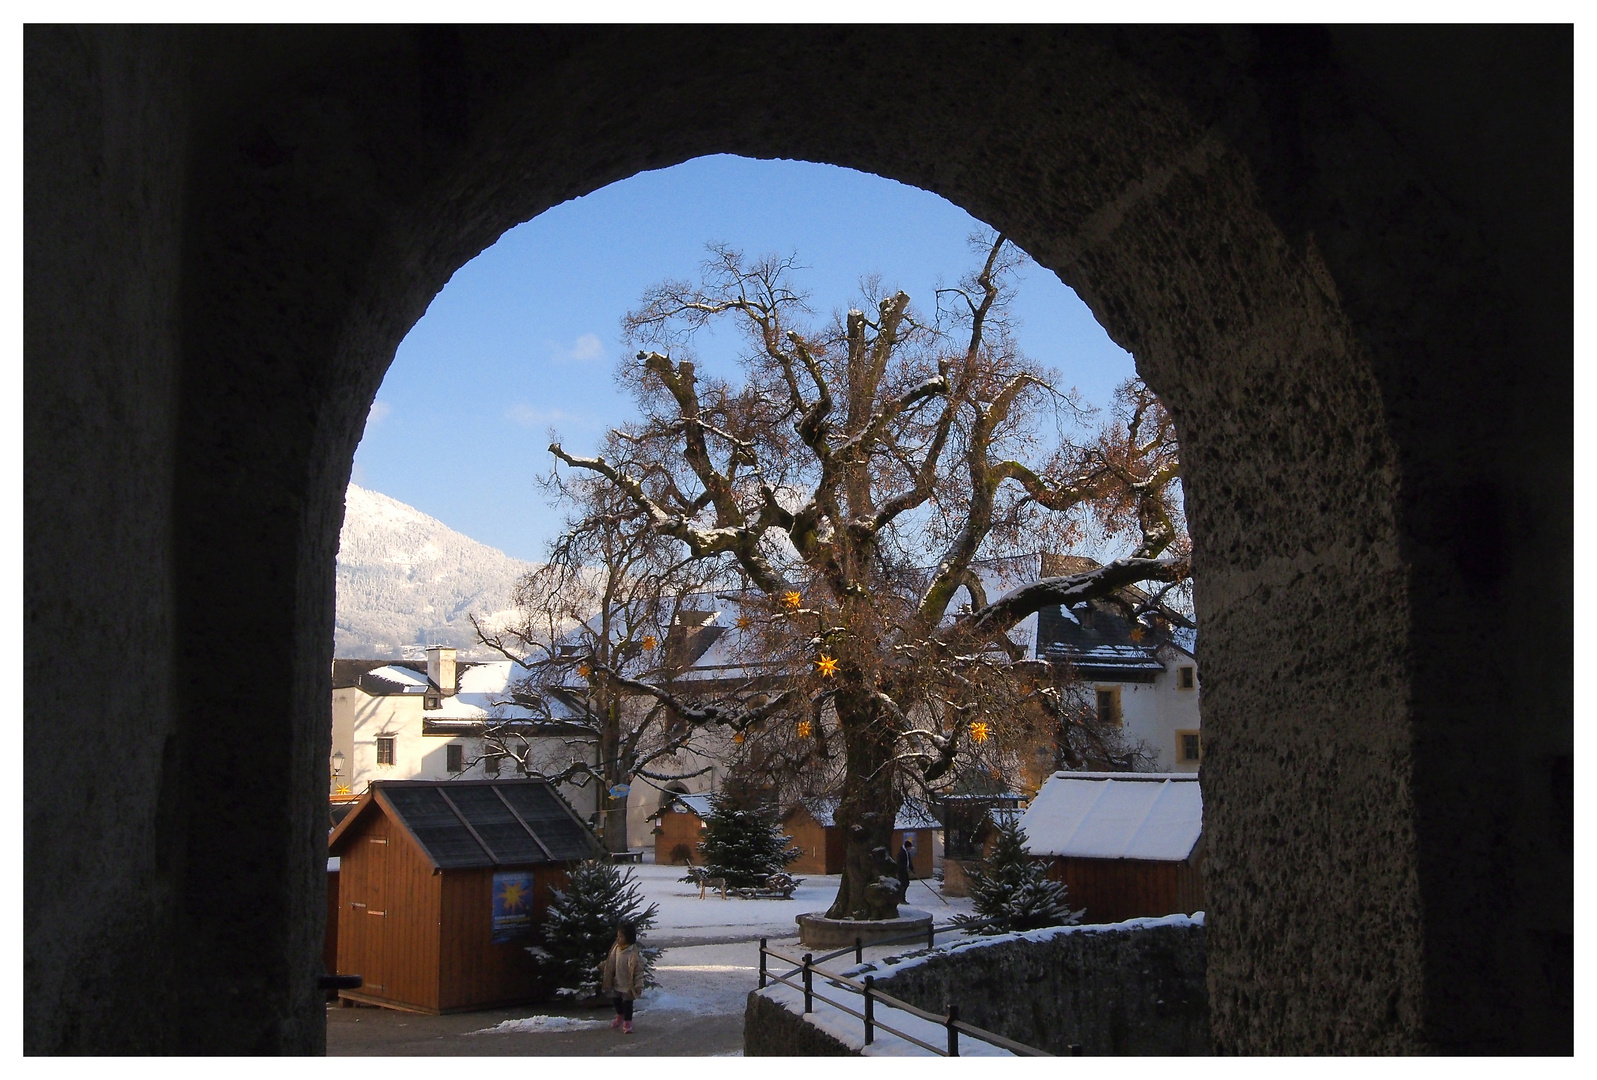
<point x="1014" y="891"/>
<point x="743" y="843"/>
<point x="581" y="926"/>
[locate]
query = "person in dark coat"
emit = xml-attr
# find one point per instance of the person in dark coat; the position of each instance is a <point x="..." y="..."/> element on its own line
<point x="906" y="855"/>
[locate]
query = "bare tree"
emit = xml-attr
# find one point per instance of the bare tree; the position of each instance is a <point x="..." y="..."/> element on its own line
<point x="614" y="606"/>
<point x="852" y="456"/>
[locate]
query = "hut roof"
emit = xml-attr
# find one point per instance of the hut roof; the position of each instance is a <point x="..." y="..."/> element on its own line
<point x="1116" y="816"/>
<point x="909" y="817"/>
<point x="462" y="824"/>
<point x="693" y="804"/>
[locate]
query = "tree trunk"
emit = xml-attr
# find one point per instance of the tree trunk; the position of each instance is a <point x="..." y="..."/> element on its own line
<point x="866" y="813"/>
<point x="612" y="811"/>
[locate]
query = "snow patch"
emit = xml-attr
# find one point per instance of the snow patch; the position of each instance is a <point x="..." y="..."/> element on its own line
<point x="534" y="1024"/>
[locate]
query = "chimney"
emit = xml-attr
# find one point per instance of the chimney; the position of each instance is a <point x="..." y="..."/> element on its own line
<point x="441" y="667"/>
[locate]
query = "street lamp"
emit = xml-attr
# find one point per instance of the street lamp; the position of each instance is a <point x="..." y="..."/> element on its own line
<point x="338" y="767"/>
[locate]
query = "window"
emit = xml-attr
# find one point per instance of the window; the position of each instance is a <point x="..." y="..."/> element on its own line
<point x="491" y="765"/>
<point x="1189" y="747"/>
<point x="432" y="701"/>
<point x="1186" y="677"/>
<point x="1109" y="705"/>
<point x="452" y="757"/>
<point x="385" y="749"/>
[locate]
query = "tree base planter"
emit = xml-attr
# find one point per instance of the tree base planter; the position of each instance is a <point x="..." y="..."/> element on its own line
<point x="818" y="932"/>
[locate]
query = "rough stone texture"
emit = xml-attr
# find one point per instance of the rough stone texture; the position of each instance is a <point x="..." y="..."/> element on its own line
<point x="769" y="1030"/>
<point x="1344" y="259"/>
<point x="1110" y="990"/>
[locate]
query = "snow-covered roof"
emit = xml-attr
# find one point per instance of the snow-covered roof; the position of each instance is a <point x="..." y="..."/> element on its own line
<point x="909" y="817"/>
<point x="695" y="804"/>
<point x="1115" y="816"/>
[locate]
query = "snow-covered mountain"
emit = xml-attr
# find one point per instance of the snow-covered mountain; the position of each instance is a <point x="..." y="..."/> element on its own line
<point x="406" y="580"/>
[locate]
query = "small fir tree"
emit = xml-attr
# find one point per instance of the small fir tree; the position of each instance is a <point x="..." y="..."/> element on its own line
<point x="1012" y="891"/>
<point x="582" y="922"/>
<point x="742" y="842"/>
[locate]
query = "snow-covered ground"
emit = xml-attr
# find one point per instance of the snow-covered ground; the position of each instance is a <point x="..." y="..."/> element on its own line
<point x="685" y="919"/>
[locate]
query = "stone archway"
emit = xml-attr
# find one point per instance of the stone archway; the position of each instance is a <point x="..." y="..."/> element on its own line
<point x="1319" y="246"/>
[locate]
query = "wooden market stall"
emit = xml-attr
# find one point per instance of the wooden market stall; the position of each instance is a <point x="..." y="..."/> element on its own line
<point x="1126" y="845"/>
<point x="442" y="886"/>
<point x="679" y="828"/>
<point x="811" y="825"/>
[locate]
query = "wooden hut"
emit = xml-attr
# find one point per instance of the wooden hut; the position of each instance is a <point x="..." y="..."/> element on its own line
<point x="810" y="823"/>
<point x="679" y="828"/>
<point x="443" y="885"/>
<point x="1126" y="845"/>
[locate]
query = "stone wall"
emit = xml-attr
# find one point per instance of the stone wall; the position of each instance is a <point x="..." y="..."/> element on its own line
<point x="769" y="1030"/>
<point x="1132" y="988"/>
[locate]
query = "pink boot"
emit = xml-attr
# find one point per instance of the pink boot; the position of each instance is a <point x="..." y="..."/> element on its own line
<point x="616" y="1022"/>
<point x="626" y="1027"/>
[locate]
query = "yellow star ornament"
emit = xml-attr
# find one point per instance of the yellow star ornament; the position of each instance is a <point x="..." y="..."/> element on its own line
<point x="827" y="666"/>
<point x="804" y="729"/>
<point x="584" y="670"/>
<point x="978" y="731"/>
<point x="737" y="737"/>
<point x="792" y="600"/>
<point x="649" y="643"/>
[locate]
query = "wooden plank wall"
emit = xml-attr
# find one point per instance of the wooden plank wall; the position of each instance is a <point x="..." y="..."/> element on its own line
<point x="476" y="972"/>
<point x="676" y="828"/>
<point x="396" y="952"/>
<point x="815" y="842"/>
<point x="1113" y="890"/>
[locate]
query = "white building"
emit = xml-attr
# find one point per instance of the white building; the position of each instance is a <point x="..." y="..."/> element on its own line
<point x="409" y="720"/>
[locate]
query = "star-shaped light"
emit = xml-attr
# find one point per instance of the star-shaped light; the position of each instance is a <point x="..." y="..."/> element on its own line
<point x="827" y="666"/>
<point x="744" y="622"/>
<point x="737" y="737"/>
<point x="342" y="789"/>
<point x="584" y="670"/>
<point x="978" y="731"/>
<point x="1136" y="633"/>
<point x="791" y="600"/>
<point x="804" y="729"/>
<point x="649" y="643"/>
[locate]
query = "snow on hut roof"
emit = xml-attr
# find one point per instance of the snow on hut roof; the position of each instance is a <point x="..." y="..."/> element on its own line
<point x="1115" y="816"/>
<point x="909" y="816"/>
<point x="694" y="804"/>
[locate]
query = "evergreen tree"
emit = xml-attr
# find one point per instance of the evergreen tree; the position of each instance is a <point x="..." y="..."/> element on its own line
<point x="582" y="922"/>
<point x="742" y="842"/>
<point x="1013" y="890"/>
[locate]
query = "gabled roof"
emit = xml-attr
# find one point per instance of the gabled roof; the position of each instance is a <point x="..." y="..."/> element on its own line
<point x="464" y="824"/>
<point x="693" y="804"/>
<point x="1155" y="816"/>
<point x="823" y="809"/>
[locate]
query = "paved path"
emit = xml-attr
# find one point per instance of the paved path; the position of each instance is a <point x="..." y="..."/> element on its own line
<point x="696" y="1010"/>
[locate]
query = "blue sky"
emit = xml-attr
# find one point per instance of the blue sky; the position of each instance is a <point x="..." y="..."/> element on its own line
<point x="525" y="336"/>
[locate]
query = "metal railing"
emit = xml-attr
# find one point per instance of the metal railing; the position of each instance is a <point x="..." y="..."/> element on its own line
<point x="808" y="967"/>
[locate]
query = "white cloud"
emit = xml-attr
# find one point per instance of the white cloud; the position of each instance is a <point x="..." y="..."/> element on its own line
<point x="525" y="415"/>
<point x="585" y="348"/>
<point x="377" y="412"/>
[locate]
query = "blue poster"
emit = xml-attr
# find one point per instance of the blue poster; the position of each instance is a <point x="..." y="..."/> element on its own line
<point x="512" y="906"/>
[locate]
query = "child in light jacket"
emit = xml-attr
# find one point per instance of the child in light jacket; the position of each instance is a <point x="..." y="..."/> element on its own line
<point x="622" y="973"/>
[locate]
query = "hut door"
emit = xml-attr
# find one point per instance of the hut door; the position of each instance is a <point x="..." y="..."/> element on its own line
<point x="371" y="917"/>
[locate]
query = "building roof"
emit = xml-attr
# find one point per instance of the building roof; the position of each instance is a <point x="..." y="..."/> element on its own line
<point x="464" y="824"/>
<point x="822" y="809"/>
<point x="1116" y="816"/>
<point x="693" y="804"/>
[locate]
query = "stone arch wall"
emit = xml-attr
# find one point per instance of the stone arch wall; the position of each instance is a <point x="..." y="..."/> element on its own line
<point x="1353" y="320"/>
